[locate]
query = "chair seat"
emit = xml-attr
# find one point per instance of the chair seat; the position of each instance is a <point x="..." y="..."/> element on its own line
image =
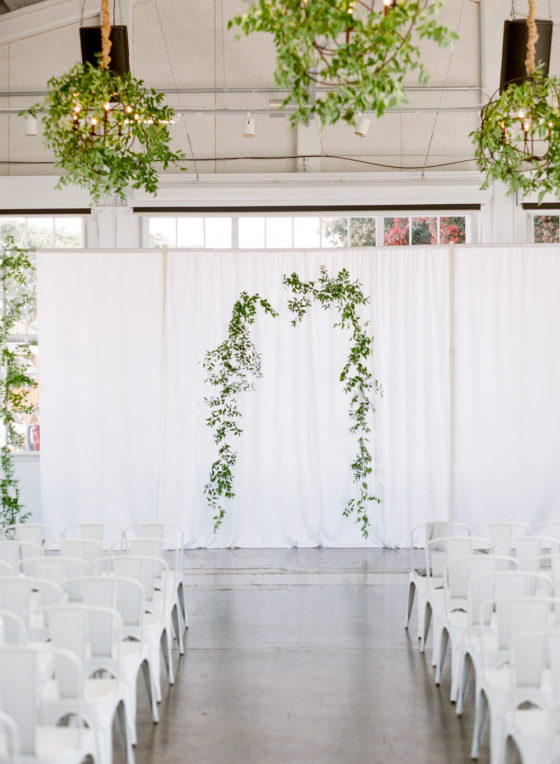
<point x="56" y="743"/>
<point x="95" y="690"/>
<point x="533" y="723"/>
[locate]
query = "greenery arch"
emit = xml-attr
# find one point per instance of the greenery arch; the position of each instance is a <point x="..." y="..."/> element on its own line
<point x="235" y="365"/>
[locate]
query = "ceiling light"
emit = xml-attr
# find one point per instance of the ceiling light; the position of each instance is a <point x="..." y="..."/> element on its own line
<point x="30" y="125"/>
<point x="363" y="126"/>
<point x="249" y="126"/>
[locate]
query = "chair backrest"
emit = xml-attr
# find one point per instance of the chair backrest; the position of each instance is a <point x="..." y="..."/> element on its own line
<point x="170" y="534"/>
<point x="424" y="532"/>
<point x="550" y="564"/>
<point x="37" y="533"/>
<point x="440" y="550"/>
<point x="125" y="595"/>
<point x="498" y="530"/>
<point x="527" y="549"/>
<point x="88" y="632"/>
<point x="54" y="568"/>
<point x="144" y="569"/>
<point x="458" y="571"/>
<point x="515" y="614"/>
<point x="20" y="681"/>
<point x="83" y="549"/>
<point x="6" y="569"/>
<point x="13" y="550"/>
<point x="156" y="547"/>
<point x="18" y="690"/>
<point x="12" y="628"/>
<point x="105" y="532"/>
<point x="549" y="529"/>
<point x="529" y="659"/>
<point x="483" y="588"/>
<point x="11" y="737"/>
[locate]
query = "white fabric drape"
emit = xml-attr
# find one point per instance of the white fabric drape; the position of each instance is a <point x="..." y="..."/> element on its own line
<point x="507" y="392"/>
<point x="293" y="477"/>
<point x="100" y="343"/>
<point x="123" y="415"/>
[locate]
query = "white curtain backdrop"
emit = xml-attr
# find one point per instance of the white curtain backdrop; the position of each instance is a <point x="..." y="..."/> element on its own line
<point x="293" y="476"/>
<point x="507" y="383"/>
<point x="122" y="391"/>
<point x="100" y="344"/>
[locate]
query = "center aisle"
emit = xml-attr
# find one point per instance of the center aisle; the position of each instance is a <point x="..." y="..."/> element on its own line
<point x="300" y="657"/>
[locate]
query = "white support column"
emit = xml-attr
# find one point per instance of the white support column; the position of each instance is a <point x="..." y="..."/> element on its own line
<point x="114" y="227"/>
<point x="451" y="289"/>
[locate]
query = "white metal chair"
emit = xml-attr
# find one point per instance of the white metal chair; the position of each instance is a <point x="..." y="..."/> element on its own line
<point x="127" y="597"/>
<point x="157" y="624"/>
<point x="457" y="573"/>
<point x="173" y="541"/>
<point x="6" y="569"/>
<point x="512" y="615"/>
<point x="20" y="686"/>
<point x="158" y="547"/>
<point x="549" y="529"/>
<point x="93" y="635"/>
<point x="417" y="583"/>
<point x="12" y="628"/>
<point x="482" y="588"/>
<point x="24" y="595"/>
<point x="10" y="747"/>
<point x="534" y="731"/>
<point x="438" y="552"/>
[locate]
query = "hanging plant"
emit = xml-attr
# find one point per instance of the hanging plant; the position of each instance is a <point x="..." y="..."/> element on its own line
<point x="518" y="141"/>
<point x="107" y="132"/>
<point x="346" y="297"/>
<point x="232" y="367"/>
<point x="361" y="50"/>
<point x="15" y="381"/>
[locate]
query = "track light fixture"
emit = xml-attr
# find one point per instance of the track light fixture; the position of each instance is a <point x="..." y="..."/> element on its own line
<point x="363" y="126"/>
<point x="249" y="126"/>
<point x="30" y="125"/>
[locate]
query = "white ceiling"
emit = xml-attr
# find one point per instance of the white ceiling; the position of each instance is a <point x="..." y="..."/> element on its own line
<point x="185" y="44"/>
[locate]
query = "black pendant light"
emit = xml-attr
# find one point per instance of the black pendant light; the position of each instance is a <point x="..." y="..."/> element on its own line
<point x="514" y="50"/>
<point x="90" y="40"/>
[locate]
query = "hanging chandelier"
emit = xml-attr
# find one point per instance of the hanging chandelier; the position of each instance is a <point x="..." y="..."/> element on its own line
<point x="518" y="141"/>
<point x="357" y="52"/>
<point x="108" y="131"/>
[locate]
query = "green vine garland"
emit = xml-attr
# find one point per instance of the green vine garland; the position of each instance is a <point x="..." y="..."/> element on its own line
<point x="346" y="297"/>
<point x="232" y="367"/>
<point x="15" y="382"/>
<point x="361" y="53"/>
<point x="106" y="131"/>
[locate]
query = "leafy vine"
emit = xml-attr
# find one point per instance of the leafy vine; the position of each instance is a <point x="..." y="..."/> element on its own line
<point x="15" y="382"/>
<point x="232" y="367"/>
<point x="346" y="296"/>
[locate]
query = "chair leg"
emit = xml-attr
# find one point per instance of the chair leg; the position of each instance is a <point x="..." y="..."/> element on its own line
<point x="463" y="684"/>
<point x="125" y="737"/>
<point x="411" y="593"/>
<point x="427" y="620"/>
<point x="167" y="657"/>
<point x="149" y="681"/>
<point x="479" y="724"/>
<point x="177" y="628"/>
<point x="444" y="639"/>
<point x="183" y="604"/>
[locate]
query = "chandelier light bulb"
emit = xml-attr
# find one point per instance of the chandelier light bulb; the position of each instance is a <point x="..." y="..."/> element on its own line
<point x="129" y="109"/>
<point x="107" y="106"/>
<point x="93" y="121"/>
<point x="521" y="113"/>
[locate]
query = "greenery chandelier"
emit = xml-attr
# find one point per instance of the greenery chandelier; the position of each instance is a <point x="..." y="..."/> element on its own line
<point x="518" y="141"/>
<point x="107" y="131"/>
<point x="357" y="51"/>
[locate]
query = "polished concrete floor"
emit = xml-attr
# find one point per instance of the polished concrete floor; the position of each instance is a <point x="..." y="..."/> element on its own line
<point x="300" y="657"/>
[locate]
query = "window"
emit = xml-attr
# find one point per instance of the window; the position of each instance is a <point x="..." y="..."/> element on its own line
<point x="302" y="231"/>
<point x="37" y="232"/>
<point x="546" y="229"/>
